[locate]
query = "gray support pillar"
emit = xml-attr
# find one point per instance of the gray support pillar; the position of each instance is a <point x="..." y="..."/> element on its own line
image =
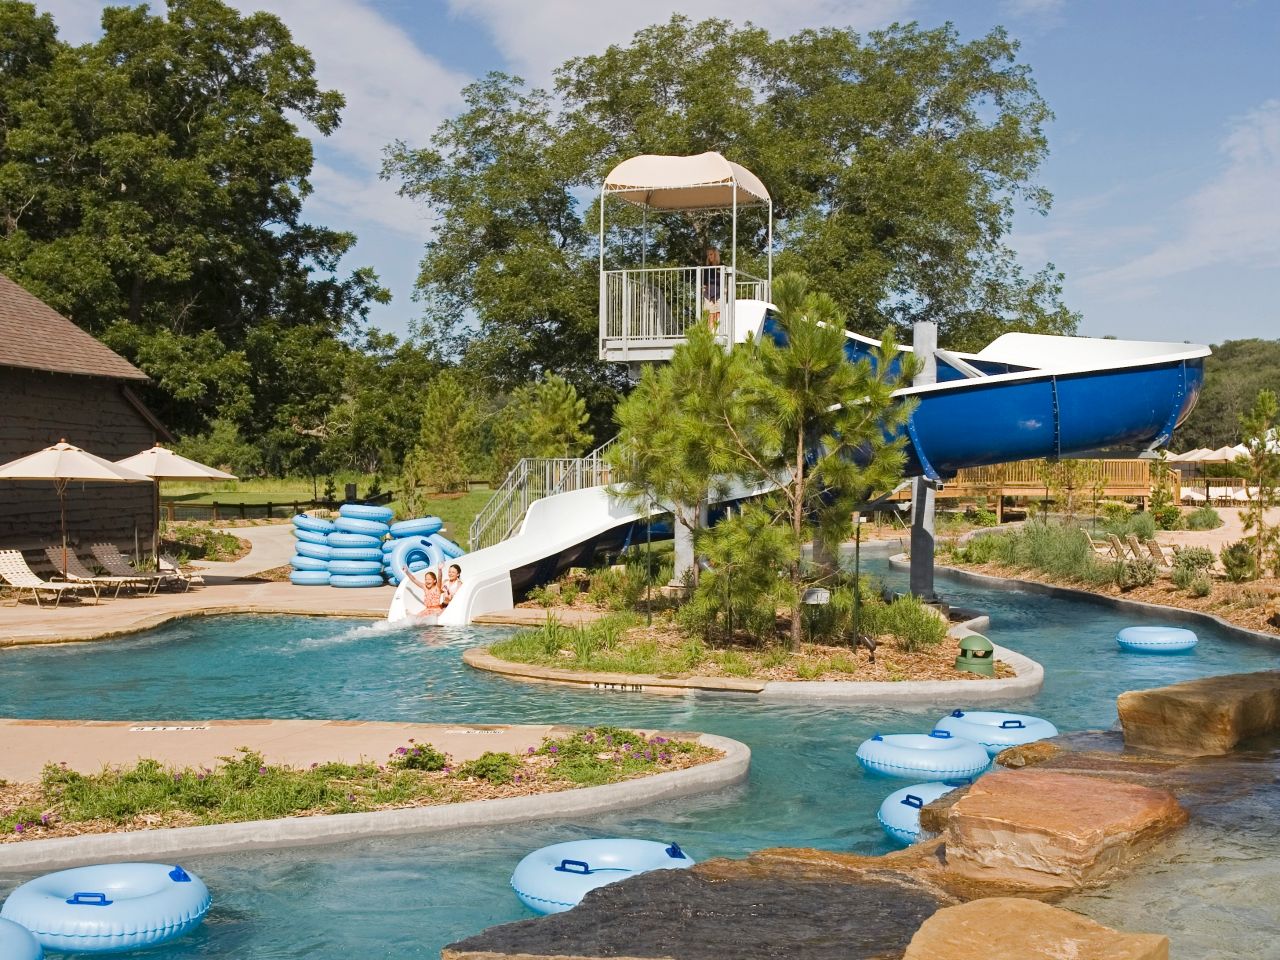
<point x="923" y="490"/>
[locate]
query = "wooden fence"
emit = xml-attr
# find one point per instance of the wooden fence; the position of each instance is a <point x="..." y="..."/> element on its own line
<point x="1030" y="479"/>
<point x="173" y="510"/>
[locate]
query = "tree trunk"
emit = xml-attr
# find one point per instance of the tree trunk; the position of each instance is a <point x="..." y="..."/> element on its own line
<point x="797" y="531"/>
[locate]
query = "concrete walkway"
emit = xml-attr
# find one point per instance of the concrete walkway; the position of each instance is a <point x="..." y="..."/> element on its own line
<point x="88" y="746"/>
<point x="272" y="547"/>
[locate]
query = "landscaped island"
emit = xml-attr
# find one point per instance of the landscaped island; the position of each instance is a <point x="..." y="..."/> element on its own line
<point x="149" y="795"/>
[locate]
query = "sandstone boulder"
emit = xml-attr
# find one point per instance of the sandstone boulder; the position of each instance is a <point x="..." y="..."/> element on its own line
<point x="1205" y="717"/>
<point x="1044" y="832"/>
<point x="1012" y="928"/>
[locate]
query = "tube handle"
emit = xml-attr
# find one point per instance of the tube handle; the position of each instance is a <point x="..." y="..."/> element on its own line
<point x="87" y="898"/>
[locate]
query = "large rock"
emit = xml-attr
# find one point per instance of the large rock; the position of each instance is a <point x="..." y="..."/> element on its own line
<point x="1205" y="717"/>
<point x="1044" y="832"/>
<point x="1012" y="928"/>
<point x="685" y="915"/>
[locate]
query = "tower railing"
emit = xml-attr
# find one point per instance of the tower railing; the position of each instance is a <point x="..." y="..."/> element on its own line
<point x="530" y="480"/>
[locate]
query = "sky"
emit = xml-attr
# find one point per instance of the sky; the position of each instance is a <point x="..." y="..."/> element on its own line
<point x="1164" y="154"/>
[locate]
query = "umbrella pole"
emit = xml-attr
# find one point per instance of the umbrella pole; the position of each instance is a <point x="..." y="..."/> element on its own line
<point x="62" y="513"/>
<point x="155" y="541"/>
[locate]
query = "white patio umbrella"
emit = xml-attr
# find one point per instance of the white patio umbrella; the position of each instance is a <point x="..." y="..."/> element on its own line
<point x="63" y="463"/>
<point x="161" y="463"/>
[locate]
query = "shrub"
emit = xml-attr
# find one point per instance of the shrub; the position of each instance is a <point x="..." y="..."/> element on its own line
<point x="981" y="516"/>
<point x="497" y="768"/>
<point x="419" y="756"/>
<point x="1134" y="573"/>
<point x="1238" y="561"/>
<point x="1167" y="516"/>
<point x="912" y="624"/>
<point x="1193" y="558"/>
<point x="1114" y="512"/>
<point x="1141" y="524"/>
<point x="1201" y="586"/>
<point x="1183" y="577"/>
<point x="1203" y="518"/>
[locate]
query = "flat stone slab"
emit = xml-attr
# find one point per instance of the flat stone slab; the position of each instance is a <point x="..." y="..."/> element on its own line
<point x="1044" y="831"/>
<point x="1013" y="928"/>
<point x="683" y="915"/>
<point x="1205" y="717"/>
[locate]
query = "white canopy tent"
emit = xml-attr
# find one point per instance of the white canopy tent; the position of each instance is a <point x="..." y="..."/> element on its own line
<point x="705" y="181"/>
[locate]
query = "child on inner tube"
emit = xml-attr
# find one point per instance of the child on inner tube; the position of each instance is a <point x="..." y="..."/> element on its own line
<point x="432" y="602"/>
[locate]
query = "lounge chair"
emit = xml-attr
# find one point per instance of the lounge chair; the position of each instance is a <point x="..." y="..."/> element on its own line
<point x="1156" y="551"/>
<point x="15" y="572"/>
<point x="1100" y="547"/>
<point x="169" y="567"/>
<point x="76" y="572"/>
<point x="1118" y="551"/>
<point x="1135" y="545"/>
<point x="117" y="564"/>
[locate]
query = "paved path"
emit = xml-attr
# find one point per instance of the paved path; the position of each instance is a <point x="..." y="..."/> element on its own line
<point x="1232" y="529"/>
<point x="272" y="547"/>
<point x="88" y="746"/>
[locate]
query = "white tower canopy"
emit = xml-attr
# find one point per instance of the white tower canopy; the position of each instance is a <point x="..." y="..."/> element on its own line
<point x="706" y="181"/>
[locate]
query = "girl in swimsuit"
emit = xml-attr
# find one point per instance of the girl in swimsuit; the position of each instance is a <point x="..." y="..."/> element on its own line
<point x="449" y="589"/>
<point x="432" y="601"/>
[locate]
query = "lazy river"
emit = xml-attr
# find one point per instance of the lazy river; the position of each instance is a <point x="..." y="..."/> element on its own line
<point x="407" y="897"/>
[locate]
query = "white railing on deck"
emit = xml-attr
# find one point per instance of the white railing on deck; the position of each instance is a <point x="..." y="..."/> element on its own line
<point x="654" y="306"/>
<point x="530" y="480"/>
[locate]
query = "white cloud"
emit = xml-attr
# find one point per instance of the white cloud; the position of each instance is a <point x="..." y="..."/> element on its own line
<point x="79" y="21"/>
<point x="536" y="37"/>
<point x="1032" y="8"/>
<point x="1234" y="219"/>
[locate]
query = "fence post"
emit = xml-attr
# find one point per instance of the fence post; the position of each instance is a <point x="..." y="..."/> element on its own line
<point x="268" y="509"/>
<point x="216" y="518"/>
<point x="242" y="510"/>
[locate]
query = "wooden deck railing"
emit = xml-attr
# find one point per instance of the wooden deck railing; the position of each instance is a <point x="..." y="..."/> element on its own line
<point x="1030" y="478"/>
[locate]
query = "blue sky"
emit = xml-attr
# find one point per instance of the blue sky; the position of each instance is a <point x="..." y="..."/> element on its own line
<point x="1164" y="153"/>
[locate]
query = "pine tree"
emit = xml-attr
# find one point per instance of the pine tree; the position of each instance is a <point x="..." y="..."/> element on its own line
<point x="446" y="448"/>
<point x="1262" y="468"/>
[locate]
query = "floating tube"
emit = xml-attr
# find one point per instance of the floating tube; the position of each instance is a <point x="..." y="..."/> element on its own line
<point x="996" y="731"/>
<point x="370" y="528"/>
<point x="931" y="756"/>
<point x="310" y="536"/>
<point x="411" y="549"/>
<point x="356" y="568"/>
<point x="1156" y="639"/>
<point x="305" y="521"/>
<point x="109" y="907"/>
<point x="388" y="546"/>
<point x="309" y="578"/>
<point x="354" y="540"/>
<point x="418" y="527"/>
<point x="555" y="878"/>
<point x="365" y="511"/>
<point x="450" y="549"/>
<point x="371" y="554"/>
<point x="17" y="943"/>
<point x="353" y="580"/>
<point x="299" y="562"/>
<point x="900" y="812"/>
<point x="318" y="551"/>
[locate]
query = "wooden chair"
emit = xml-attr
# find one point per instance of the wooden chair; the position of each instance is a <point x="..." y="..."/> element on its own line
<point x="1156" y="552"/>
<point x="117" y="564"/>
<point x="1117" y="547"/>
<point x="76" y="572"/>
<point x="1135" y="545"/>
<point x="1100" y="547"/>
<point x="169" y="567"/>
<point x="15" y="572"/>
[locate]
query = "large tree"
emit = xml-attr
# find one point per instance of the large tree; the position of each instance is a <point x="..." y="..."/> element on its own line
<point x="151" y="188"/>
<point x="1234" y="375"/>
<point x="895" y="160"/>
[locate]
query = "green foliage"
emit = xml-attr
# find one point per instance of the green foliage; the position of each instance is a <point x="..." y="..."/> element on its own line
<point x="1193" y="558"/>
<point x="908" y="620"/>
<point x="1234" y="375"/>
<point x="1203" y="517"/>
<point x="981" y="517"/>
<point x="1183" y="577"/>
<point x="1141" y="525"/>
<point x="223" y="447"/>
<point x="204" y="543"/>
<point x="1163" y="507"/>
<point x="607" y="754"/>
<point x="590" y="645"/>
<point x="1129" y="574"/>
<point x="1261" y="466"/>
<point x="496" y="768"/>
<point x="543" y="419"/>
<point x="1239" y="561"/>
<point x="1061" y="550"/>
<point x="1116" y="514"/>
<point x="446" y="450"/>
<point x="1201" y="586"/>
<point x="419" y="756"/>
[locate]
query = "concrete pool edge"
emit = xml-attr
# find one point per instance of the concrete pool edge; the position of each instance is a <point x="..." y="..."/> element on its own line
<point x="1028" y="679"/>
<point x="1174" y="614"/>
<point x="183" y="842"/>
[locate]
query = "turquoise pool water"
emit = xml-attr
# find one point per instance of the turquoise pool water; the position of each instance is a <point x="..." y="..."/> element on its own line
<point x="405" y="898"/>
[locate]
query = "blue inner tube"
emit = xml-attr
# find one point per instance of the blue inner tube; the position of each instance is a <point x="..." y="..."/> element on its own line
<point x="309" y="578"/>
<point x="1157" y="639"/>
<point x="109" y="907"/>
<point x="310" y="536"/>
<point x="555" y="878"/>
<point x="900" y="812"/>
<point x="318" y="551"/>
<point x="17" y="942"/>
<point x="354" y="540"/>
<point x="299" y="562"/>
<point x="370" y="528"/>
<point x="411" y="550"/>
<point x="352" y="580"/>
<point x="305" y="521"/>
<point x="356" y="568"/>
<point x="996" y="731"/>
<point x="358" y="553"/>
<point x="450" y="549"/>
<point x="363" y="511"/>
<point x="417" y="527"/>
<point x="929" y="756"/>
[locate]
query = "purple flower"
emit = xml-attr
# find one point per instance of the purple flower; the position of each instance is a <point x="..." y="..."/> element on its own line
<point x="19" y="827"/>
<point x="402" y="750"/>
<point x="589" y="737"/>
<point x="664" y="757"/>
<point x="200" y="776"/>
<point x="177" y="778"/>
<point x="608" y="738"/>
<point x="648" y="754"/>
<point x="44" y="819"/>
<point x="314" y="765"/>
<point x="553" y="748"/>
<point x="351" y="798"/>
<point x="448" y="769"/>
<point x="658" y="740"/>
<point x="262" y="770"/>
<point x="531" y="750"/>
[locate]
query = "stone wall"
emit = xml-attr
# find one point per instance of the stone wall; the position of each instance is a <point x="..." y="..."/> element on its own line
<point x="38" y="409"/>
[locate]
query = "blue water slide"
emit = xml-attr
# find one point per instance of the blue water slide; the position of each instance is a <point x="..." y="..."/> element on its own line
<point x="1028" y="396"/>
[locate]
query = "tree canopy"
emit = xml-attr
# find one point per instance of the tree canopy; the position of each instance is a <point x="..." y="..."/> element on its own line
<point x="1234" y="375"/>
<point x="896" y="162"/>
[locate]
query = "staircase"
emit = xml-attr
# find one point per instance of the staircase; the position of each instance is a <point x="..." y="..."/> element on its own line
<point x="532" y="479"/>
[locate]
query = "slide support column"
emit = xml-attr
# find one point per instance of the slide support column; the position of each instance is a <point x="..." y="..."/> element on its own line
<point x="684" y="558"/>
<point x="923" y="490"/>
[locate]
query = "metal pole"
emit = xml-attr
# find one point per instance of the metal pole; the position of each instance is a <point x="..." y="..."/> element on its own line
<point x="857" y="575"/>
<point x="648" y="567"/>
<point x="924" y="490"/>
<point x="769" y="276"/>
<point x="732" y="295"/>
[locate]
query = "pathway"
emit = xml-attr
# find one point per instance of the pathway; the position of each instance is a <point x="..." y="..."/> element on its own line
<point x="272" y="547"/>
<point x="1232" y="529"/>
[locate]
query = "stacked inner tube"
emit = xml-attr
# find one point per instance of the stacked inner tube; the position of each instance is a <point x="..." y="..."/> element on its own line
<point x="311" y="553"/>
<point x="356" y="544"/>
<point x="417" y="545"/>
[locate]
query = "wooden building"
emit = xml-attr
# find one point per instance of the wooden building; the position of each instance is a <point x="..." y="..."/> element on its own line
<point x="58" y="382"/>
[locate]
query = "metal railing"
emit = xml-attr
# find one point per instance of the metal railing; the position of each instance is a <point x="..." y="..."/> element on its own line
<point x="654" y="306"/>
<point x="532" y="479"/>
